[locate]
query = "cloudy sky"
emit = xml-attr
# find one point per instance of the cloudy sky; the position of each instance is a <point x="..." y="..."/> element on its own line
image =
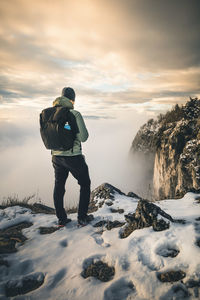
<point x="124" y="58"/>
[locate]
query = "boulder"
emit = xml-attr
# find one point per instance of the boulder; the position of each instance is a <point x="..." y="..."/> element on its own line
<point x="100" y="270"/>
<point x="11" y="235"/>
<point x="171" y="276"/>
<point x="106" y="192"/>
<point x="146" y="215"/>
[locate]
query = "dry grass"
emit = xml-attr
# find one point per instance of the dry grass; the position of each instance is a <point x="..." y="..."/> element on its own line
<point x="14" y="200"/>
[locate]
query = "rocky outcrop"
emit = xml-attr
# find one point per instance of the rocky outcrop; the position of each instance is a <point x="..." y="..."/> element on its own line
<point x="105" y="193"/>
<point x="170" y="148"/>
<point x="147" y="214"/>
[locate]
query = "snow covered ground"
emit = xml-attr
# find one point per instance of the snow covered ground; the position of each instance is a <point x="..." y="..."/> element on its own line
<point x="137" y="259"/>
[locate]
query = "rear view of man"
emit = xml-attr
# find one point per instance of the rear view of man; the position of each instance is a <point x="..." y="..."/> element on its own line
<point x="72" y="160"/>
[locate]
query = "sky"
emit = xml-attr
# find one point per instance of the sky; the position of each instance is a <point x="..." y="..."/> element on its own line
<point x="127" y="61"/>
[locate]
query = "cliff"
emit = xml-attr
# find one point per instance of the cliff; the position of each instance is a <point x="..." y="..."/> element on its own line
<point x="170" y="148"/>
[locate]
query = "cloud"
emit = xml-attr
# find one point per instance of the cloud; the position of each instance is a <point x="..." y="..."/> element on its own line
<point x="96" y="117"/>
<point x="12" y="134"/>
<point x="113" y="53"/>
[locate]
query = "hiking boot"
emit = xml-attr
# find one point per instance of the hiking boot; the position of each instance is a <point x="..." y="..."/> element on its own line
<point x="83" y="221"/>
<point x="62" y="223"/>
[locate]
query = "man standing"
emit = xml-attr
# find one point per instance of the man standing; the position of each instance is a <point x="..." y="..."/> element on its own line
<point x="71" y="161"/>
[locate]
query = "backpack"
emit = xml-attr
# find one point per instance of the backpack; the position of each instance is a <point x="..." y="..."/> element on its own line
<point x="54" y="133"/>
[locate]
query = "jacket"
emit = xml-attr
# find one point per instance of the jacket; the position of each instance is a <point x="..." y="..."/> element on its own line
<point x="82" y="136"/>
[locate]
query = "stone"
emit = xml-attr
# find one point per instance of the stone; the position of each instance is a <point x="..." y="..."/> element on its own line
<point x="146" y="215"/>
<point x="7" y="246"/>
<point x="109" y="224"/>
<point x="171" y="276"/>
<point x="114" y="224"/>
<point x="159" y="225"/>
<point x="106" y="192"/>
<point x="100" y="223"/>
<point x="48" y="230"/>
<point x="41" y="208"/>
<point x="12" y="235"/>
<point x="24" y="284"/>
<point x="126" y="230"/>
<point x="133" y="195"/>
<point x="119" y="210"/>
<point x="100" y="270"/>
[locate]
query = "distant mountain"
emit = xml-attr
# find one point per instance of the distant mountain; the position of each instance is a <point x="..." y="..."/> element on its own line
<point x="169" y="146"/>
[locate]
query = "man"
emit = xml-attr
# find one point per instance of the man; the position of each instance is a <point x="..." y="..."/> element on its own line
<point x="71" y="161"/>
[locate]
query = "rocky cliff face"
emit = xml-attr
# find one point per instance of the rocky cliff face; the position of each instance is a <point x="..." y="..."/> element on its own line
<point x="170" y="146"/>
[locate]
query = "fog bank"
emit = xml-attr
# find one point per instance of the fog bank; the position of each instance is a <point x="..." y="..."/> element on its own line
<point x="26" y="165"/>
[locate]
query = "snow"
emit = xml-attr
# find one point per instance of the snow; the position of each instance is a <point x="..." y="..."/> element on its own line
<point x="137" y="259"/>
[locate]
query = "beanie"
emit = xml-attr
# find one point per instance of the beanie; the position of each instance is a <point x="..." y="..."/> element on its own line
<point x="69" y="93"/>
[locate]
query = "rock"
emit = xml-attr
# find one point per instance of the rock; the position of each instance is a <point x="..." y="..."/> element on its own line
<point x="7" y="246"/>
<point x="100" y="270"/>
<point x="106" y="192"/>
<point x="168" y="149"/>
<point x="114" y="224"/>
<point x="109" y="224"/>
<point x="119" y="210"/>
<point x="133" y="195"/>
<point x="126" y="230"/>
<point x="11" y="235"/>
<point x="100" y="223"/>
<point x="107" y="202"/>
<point x="24" y="284"/>
<point x="159" y="225"/>
<point x="146" y="215"/>
<point x="48" y="230"/>
<point x="180" y="221"/>
<point x="41" y="208"/>
<point x="35" y="207"/>
<point x="171" y="276"/>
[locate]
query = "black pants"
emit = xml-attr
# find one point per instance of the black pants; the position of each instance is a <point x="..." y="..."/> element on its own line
<point x="77" y="166"/>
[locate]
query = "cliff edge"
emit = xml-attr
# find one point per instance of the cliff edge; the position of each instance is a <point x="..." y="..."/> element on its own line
<point x="170" y="148"/>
